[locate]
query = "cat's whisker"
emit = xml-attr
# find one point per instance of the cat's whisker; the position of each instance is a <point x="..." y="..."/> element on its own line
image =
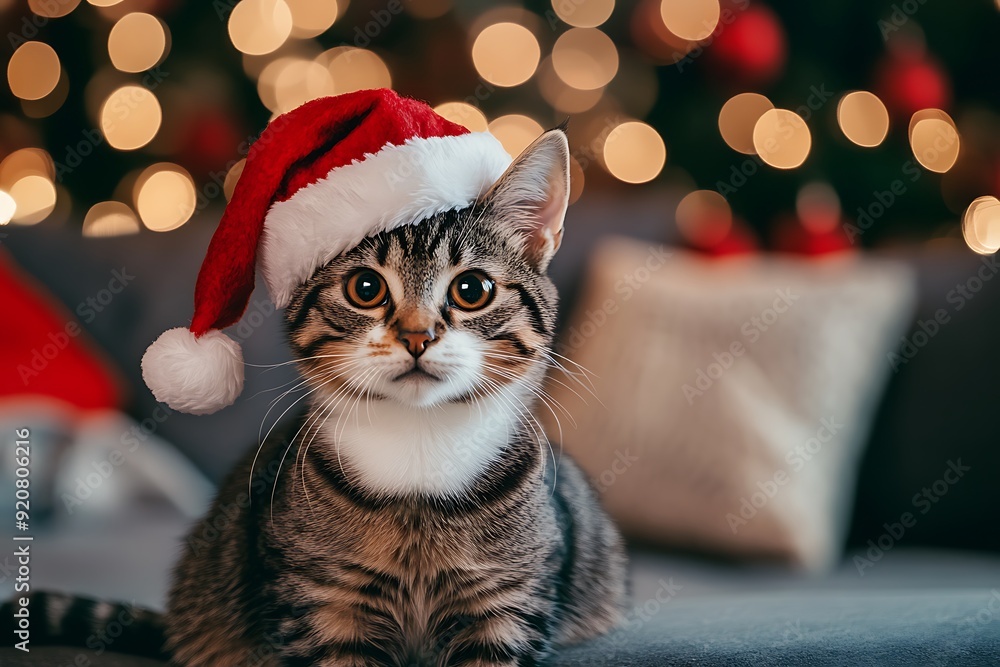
<point x="552" y="363"/>
<point x="327" y="376"/>
<point x="546" y="398"/>
<point x="303" y="452"/>
<point x="293" y="440"/>
<point x="295" y="361"/>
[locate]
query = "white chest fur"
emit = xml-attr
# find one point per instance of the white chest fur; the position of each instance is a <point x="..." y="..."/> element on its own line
<point x="438" y="450"/>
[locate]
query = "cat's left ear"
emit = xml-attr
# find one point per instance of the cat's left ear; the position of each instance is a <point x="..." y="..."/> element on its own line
<point x="533" y="195"/>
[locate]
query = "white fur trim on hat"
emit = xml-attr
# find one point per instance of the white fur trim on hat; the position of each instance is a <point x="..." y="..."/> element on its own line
<point x="195" y="375"/>
<point x="399" y="185"/>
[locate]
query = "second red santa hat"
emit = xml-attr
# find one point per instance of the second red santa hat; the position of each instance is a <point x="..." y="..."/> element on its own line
<point x="317" y="182"/>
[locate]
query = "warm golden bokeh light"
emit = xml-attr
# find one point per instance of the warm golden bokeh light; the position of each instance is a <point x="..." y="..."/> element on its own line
<point x="355" y="69"/>
<point x="818" y="207"/>
<point x="585" y="58"/>
<point x="562" y="96"/>
<point x="52" y="10"/>
<point x="232" y="178"/>
<point x="137" y="42"/>
<point x="506" y="54"/>
<point x="257" y="27"/>
<point x="35" y="197"/>
<point x="782" y="139"/>
<point x="7" y="207"/>
<point x="515" y="132"/>
<point x="33" y="71"/>
<point x="704" y="217"/>
<point x="110" y="218"/>
<point x="738" y="117"/>
<point x="25" y="162"/>
<point x="981" y="225"/>
<point x="464" y="114"/>
<point x="104" y="3"/>
<point x="290" y="82"/>
<point x="863" y="118"/>
<point x="934" y="140"/>
<point x="49" y="104"/>
<point x="634" y="152"/>
<point x="165" y="197"/>
<point x="311" y="18"/>
<point x="693" y="20"/>
<point x="130" y="117"/>
<point x="583" y="13"/>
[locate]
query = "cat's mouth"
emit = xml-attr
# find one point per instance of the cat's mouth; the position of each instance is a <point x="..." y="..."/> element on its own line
<point x="416" y="373"/>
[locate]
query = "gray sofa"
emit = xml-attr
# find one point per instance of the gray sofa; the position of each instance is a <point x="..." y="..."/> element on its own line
<point x="931" y="598"/>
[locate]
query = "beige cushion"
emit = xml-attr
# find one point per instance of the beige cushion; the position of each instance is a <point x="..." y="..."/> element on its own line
<point x="733" y="396"/>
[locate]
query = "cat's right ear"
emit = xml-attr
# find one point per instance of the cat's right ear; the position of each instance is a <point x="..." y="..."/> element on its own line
<point x="532" y="195"/>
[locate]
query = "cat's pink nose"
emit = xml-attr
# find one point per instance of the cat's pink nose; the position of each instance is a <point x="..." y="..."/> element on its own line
<point x="416" y="341"/>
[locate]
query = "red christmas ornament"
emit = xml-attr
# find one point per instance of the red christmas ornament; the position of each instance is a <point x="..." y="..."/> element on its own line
<point x="740" y="240"/>
<point x="791" y="236"/>
<point x="908" y="81"/>
<point x="749" y="46"/>
<point x="209" y="141"/>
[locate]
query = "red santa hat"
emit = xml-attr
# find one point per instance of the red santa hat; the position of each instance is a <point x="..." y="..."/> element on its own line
<point x="317" y="182"/>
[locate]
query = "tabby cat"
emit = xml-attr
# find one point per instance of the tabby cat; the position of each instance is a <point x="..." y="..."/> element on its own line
<point x="418" y="516"/>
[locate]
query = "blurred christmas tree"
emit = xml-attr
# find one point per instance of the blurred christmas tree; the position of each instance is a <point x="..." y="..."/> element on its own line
<point x="131" y="113"/>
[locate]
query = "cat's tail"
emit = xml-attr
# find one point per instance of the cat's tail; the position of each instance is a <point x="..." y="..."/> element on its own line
<point x="54" y="619"/>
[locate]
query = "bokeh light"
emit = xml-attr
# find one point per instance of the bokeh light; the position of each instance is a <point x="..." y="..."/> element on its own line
<point x="506" y="54"/>
<point x="7" y="207"/>
<point x="818" y="207"/>
<point x="35" y="197"/>
<point x="704" y="218"/>
<point x="562" y="96"/>
<point x="863" y="118"/>
<point x="49" y="104"/>
<point x="257" y="27"/>
<point x="738" y="117"/>
<point x="137" y="42"/>
<point x="33" y="71"/>
<point x="25" y="162"/>
<point x="165" y="197"/>
<point x="782" y="139"/>
<point x="311" y="18"/>
<point x="130" y="117"/>
<point x="515" y="132"/>
<point x="232" y="178"/>
<point x="634" y="152"/>
<point x="583" y="13"/>
<point x="981" y="225"/>
<point x="104" y="3"/>
<point x="693" y="20"/>
<point x="464" y="114"/>
<point x="934" y="140"/>
<point x="290" y="82"/>
<point x="52" y="10"/>
<point x="585" y="58"/>
<point x="355" y="69"/>
<point x="110" y="218"/>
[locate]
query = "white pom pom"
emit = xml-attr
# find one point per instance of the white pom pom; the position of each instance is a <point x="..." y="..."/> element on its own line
<point x="194" y="375"/>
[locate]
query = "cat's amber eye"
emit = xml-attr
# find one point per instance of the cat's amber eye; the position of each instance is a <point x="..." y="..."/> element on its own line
<point x="366" y="289"/>
<point x="471" y="291"/>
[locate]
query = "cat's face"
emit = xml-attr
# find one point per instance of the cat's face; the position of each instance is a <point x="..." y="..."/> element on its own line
<point x="451" y="309"/>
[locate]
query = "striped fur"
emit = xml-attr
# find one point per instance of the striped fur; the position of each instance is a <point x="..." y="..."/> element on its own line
<point x="67" y="620"/>
<point x="412" y="520"/>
